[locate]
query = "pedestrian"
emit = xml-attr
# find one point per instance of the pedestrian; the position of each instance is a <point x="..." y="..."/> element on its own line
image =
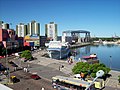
<point x="28" y="65"/>
<point x="42" y="88"/>
<point x="15" y="68"/>
<point x="59" y="68"/>
<point x="25" y="70"/>
<point x="68" y="60"/>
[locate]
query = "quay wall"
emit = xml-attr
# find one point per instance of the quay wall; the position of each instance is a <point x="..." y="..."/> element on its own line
<point x="79" y="45"/>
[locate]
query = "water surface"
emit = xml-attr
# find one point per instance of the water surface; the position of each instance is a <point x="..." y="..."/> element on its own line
<point x="107" y="54"/>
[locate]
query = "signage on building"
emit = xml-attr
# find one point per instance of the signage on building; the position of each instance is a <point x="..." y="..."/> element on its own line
<point x="27" y="37"/>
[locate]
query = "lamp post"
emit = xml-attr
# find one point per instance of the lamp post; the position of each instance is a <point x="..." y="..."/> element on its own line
<point x="100" y="73"/>
<point x="60" y="54"/>
<point x="8" y="72"/>
<point x="110" y="61"/>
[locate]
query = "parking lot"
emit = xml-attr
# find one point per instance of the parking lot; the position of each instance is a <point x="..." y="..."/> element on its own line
<point x="26" y="81"/>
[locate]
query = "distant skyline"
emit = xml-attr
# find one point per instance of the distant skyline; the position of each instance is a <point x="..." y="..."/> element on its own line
<point x="100" y="17"/>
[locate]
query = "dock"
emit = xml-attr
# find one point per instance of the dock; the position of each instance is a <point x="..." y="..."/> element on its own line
<point x="79" y="45"/>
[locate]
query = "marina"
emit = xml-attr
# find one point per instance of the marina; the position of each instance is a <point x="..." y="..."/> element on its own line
<point x="107" y="54"/>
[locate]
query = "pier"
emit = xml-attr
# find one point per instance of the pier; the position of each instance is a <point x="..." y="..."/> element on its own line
<point x="79" y="45"/>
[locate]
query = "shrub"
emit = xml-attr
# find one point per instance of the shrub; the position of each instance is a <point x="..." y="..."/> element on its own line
<point x="26" y="54"/>
<point x="89" y="68"/>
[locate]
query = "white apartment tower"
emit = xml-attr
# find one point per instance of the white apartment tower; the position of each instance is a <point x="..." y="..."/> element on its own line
<point x="5" y="25"/>
<point x="51" y="31"/>
<point x="33" y="28"/>
<point x="21" y="30"/>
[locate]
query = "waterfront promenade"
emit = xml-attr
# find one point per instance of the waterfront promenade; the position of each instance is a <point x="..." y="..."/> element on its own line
<point x="113" y="80"/>
<point x="79" y="45"/>
<point x="47" y="68"/>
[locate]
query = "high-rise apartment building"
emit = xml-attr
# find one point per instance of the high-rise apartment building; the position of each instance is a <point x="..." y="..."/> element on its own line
<point x="21" y="30"/>
<point x="51" y="31"/>
<point x="33" y="28"/>
<point x="5" y="26"/>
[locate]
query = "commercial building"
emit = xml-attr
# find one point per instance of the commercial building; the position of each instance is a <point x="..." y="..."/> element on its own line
<point x="30" y="33"/>
<point x="32" y="38"/>
<point x="51" y="31"/>
<point x="21" y="30"/>
<point x="33" y="28"/>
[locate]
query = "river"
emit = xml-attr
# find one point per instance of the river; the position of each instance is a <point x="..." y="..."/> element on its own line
<point x="107" y="54"/>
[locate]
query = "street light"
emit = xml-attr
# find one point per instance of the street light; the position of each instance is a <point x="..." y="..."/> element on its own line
<point x="8" y="72"/>
<point x="100" y="73"/>
<point x="110" y="61"/>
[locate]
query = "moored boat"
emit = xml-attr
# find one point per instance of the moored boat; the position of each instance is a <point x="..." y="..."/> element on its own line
<point x="58" y="50"/>
<point x="91" y="59"/>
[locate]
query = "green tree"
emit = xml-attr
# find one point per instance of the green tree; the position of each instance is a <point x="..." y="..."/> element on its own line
<point x="4" y="51"/>
<point x="26" y="54"/>
<point x="81" y="67"/>
<point x="89" y="68"/>
<point x="119" y="78"/>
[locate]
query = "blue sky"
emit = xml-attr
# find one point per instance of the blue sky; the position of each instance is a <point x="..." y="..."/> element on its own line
<point x="100" y="17"/>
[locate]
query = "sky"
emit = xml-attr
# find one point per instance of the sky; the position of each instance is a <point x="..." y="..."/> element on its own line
<point x="100" y="17"/>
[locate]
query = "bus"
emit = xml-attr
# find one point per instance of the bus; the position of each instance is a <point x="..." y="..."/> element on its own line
<point x="69" y="83"/>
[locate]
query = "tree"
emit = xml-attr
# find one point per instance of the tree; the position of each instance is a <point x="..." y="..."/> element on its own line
<point x="119" y="78"/>
<point x="26" y="54"/>
<point x="89" y="68"/>
<point x="4" y="51"/>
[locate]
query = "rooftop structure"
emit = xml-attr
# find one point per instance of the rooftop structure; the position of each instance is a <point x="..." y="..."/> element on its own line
<point x="76" y="31"/>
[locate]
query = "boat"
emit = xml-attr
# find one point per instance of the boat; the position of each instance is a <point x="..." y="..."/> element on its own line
<point x="91" y="59"/>
<point x="58" y="50"/>
<point x="91" y="56"/>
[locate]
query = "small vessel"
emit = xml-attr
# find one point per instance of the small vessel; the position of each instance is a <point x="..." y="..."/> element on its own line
<point x="91" y="59"/>
<point x="58" y="50"/>
<point x="91" y="56"/>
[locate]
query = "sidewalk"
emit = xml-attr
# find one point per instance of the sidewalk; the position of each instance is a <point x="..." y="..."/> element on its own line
<point x="42" y="69"/>
<point x="113" y="80"/>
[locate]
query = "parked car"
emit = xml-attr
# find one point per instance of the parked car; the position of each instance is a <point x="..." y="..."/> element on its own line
<point x="35" y="77"/>
<point x="1" y="57"/>
<point x="14" y="79"/>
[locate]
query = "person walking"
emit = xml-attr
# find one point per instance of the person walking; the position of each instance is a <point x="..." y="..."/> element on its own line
<point x="42" y="88"/>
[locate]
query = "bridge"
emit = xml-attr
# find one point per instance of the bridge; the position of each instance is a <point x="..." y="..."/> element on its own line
<point x="76" y="35"/>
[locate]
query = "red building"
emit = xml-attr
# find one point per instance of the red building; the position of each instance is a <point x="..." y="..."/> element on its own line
<point x="3" y="35"/>
<point x="9" y="40"/>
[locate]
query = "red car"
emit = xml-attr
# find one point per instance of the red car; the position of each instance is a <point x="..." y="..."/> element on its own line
<point x="1" y="57"/>
<point x="35" y="76"/>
